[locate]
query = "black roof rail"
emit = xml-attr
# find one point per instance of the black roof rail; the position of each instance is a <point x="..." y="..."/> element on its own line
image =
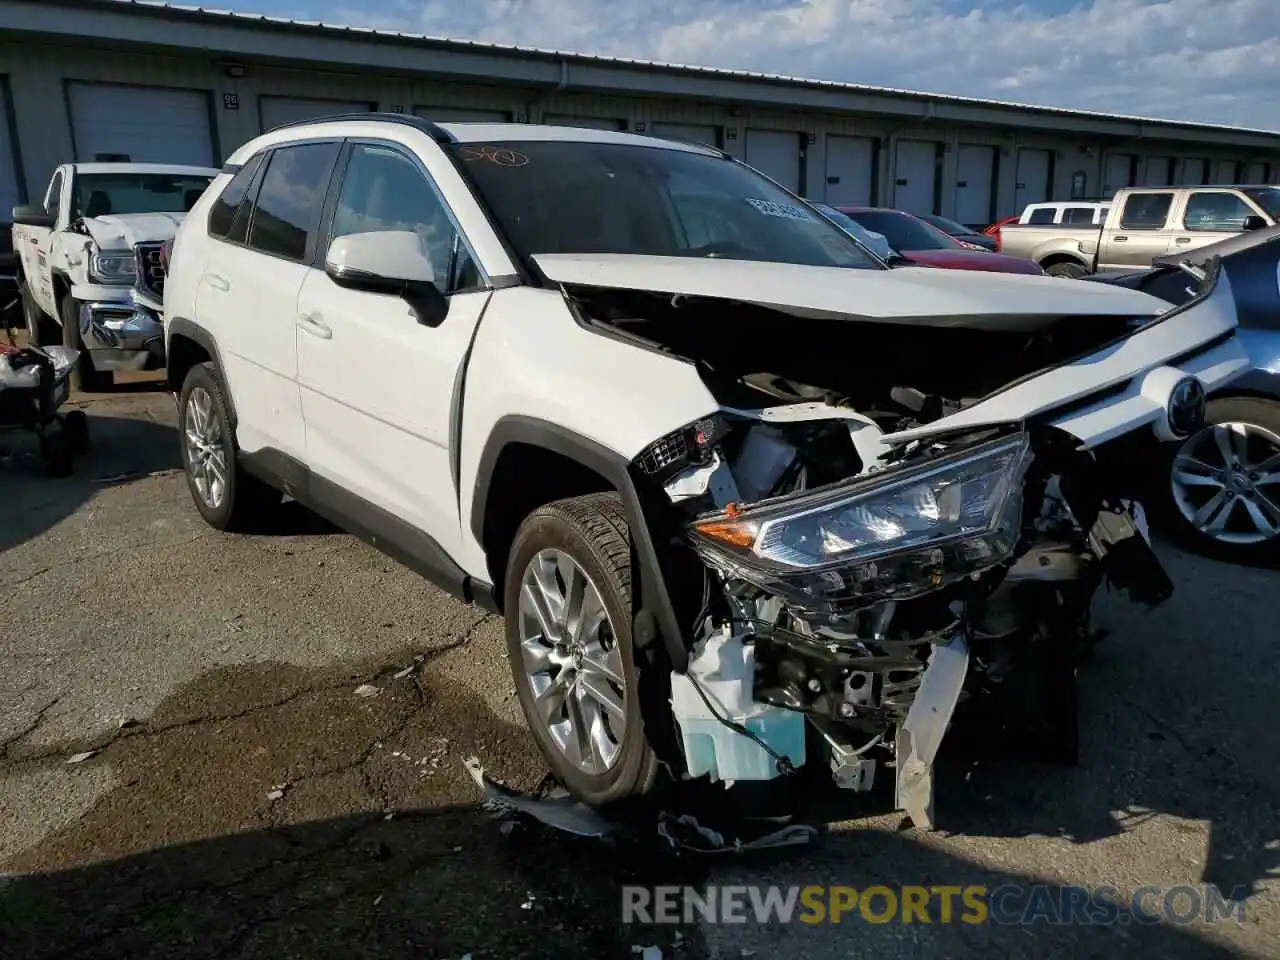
<point x="433" y="130"/>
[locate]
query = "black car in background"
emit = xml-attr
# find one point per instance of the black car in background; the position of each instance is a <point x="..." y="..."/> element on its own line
<point x="960" y="232"/>
<point x="1220" y="488"/>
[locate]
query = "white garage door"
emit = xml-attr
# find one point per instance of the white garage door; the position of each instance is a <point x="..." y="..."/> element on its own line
<point x="1032" y="185"/>
<point x="8" y="169"/>
<point x="915" y="176"/>
<point x="690" y="132"/>
<point x="776" y="154"/>
<point x="1257" y="173"/>
<point x="462" y="115"/>
<point x="1117" y="173"/>
<point x="1157" y="172"/>
<point x="1225" y="173"/>
<point x="975" y="173"/>
<point x="588" y="123"/>
<point x="850" y="169"/>
<point x="273" y="111"/>
<point x="140" y="124"/>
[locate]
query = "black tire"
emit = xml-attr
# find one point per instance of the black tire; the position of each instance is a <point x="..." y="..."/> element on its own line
<point x="1066" y="268"/>
<point x="84" y="376"/>
<point x="1255" y="411"/>
<point x="594" y="532"/>
<point x="55" y="448"/>
<point x="247" y="503"/>
<point x="75" y="424"/>
<point x="42" y="331"/>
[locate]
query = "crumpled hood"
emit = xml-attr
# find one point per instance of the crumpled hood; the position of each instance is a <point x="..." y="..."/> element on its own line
<point x="120" y="231"/>
<point x="908" y="295"/>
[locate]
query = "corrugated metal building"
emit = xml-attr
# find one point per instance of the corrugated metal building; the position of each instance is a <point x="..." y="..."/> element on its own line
<point x="107" y="79"/>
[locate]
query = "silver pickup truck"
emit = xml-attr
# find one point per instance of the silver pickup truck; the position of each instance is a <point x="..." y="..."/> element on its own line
<point x="1144" y="223"/>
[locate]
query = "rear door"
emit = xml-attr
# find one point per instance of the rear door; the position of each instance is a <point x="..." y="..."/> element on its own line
<point x="248" y="296"/>
<point x="1207" y="216"/>
<point x="1140" y="232"/>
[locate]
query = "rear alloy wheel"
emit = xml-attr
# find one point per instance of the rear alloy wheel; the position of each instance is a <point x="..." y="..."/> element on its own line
<point x="1066" y="268"/>
<point x="226" y="496"/>
<point x="568" y="612"/>
<point x="1225" y="480"/>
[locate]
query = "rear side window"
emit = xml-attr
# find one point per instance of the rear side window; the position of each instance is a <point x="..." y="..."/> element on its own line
<point x="291" y="199"/>
<point x="1042" y="215"/>
<point x="1078" y="215"/>
<point x="1146" y="211"/>
<point x="234" y="197"/>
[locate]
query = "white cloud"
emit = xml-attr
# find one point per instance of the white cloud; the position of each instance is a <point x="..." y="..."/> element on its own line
<point x="1211" y="60"/>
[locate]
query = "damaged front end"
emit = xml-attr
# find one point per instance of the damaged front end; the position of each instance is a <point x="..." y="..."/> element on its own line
<point x="873" y="566"/>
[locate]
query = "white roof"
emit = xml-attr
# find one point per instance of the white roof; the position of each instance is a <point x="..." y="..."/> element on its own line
<point x="178" y="169"/>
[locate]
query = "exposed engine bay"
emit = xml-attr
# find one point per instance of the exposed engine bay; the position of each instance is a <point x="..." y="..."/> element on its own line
<point x="857" y="592"/>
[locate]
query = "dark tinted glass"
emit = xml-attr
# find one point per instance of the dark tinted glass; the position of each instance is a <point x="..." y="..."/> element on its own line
<point x="101" y="194"/>
<point x="1216" y="211"/>
<point x="1268" y="198"/>
<point x="903" y="231"/>
<point x="1077" y="215"/>
<point x="223" y="211"/>
<point x="291" y="199"/>
<point x="1042" y="216"/>
<point x="1146" y="211"/>
<point x="566" y="196"/>
<point x="55" y="196"/>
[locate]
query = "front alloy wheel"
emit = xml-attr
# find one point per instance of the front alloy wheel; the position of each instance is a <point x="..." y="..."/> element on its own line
<point x="568" y="606"/>
<point x="569" y="653"/>
<point x="1225" y="479"/>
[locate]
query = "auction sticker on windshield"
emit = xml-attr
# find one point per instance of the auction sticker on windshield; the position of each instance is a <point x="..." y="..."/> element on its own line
<point x="772" y="208"/>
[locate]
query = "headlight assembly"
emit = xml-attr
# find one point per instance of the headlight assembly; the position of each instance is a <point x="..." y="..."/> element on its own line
<point x="112" y="268"/>
<point x="899" y="533"/>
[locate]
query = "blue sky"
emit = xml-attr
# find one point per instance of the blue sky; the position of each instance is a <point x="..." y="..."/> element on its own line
<point x="1210" y="60"/>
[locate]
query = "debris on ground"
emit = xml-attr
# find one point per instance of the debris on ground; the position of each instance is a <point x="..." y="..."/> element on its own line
<point x="367" y="690"/>
<point x="277" y="792"/>
<point x="681" y="832"/>
<point x="81" y="757"/>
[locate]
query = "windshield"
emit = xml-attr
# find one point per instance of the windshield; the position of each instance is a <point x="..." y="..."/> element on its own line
<point x="904" y="231"/>
<point x="1268" y="198"/>
<point x="948" y="226"/>
<point x="561" y="196"/>
<point x="100" y="194"/>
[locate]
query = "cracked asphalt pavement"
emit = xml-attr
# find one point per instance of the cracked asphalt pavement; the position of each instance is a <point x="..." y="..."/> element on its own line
<point x="241" y="800"/>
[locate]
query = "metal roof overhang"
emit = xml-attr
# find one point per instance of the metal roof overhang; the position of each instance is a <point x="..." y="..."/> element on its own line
<point x="129" y="24"/>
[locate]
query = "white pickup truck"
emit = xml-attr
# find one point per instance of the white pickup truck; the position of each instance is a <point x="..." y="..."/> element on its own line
<point x="90" y="259"/>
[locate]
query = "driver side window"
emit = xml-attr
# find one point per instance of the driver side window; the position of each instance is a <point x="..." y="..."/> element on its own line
<point x="384" y="190"/>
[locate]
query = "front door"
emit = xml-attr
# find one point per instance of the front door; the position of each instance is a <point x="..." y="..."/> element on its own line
<point x="378" y="386"/>
<point x="1208" y="216"/>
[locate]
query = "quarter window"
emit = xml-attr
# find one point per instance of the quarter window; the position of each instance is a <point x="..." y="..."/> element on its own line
<point x="287" y="213"/>
<point x="383" y="190"/>
<point x="1146" y="211"/>
<point x="236" y="198"/>
<point x="1216" y="211"/>
<point x="1078" y="215"/>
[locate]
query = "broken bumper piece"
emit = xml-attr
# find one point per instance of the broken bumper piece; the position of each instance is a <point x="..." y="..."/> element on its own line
<point x="921" y="733"/>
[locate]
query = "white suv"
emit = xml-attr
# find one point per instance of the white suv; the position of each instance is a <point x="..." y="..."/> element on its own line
<point x="679" y="428"/>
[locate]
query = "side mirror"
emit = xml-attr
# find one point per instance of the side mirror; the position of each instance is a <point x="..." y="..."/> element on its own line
<point x="391" y="262"/>
<point x="33" y="215"/>
<point x="1251" y="222"/>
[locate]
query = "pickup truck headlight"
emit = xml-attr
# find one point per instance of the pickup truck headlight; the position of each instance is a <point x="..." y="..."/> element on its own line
<point x="902" y="532"/>
<point x="112" y="268"/>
